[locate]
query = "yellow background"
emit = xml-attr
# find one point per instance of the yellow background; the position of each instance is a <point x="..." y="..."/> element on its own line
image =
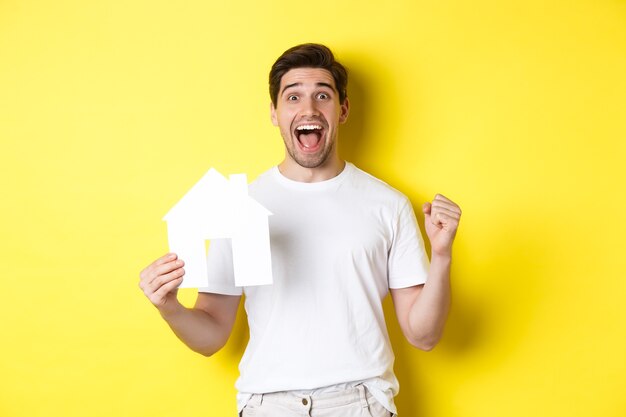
<point x="111" y="110"/>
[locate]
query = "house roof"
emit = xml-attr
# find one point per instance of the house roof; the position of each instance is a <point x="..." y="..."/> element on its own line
<point x="213" y="193"/>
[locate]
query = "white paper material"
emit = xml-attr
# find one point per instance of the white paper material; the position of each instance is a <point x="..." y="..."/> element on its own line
<point x="218" y="208"/>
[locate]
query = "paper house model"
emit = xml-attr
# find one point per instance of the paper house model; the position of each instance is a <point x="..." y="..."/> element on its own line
<point x="218" y="208"/>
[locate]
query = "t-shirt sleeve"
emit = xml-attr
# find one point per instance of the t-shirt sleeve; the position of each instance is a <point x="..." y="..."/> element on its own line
<point x="408" y="263"/>
<point x="220" y="269"/>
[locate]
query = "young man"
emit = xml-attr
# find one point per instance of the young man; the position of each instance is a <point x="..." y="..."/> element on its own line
<point x="340" y="241"/>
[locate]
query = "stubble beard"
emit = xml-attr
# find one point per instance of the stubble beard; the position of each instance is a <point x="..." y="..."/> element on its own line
<point x="307" y="161"/>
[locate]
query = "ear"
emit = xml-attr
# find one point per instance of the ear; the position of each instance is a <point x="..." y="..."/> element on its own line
<point x="273" y="114"/>
<point x="344" y="111"/>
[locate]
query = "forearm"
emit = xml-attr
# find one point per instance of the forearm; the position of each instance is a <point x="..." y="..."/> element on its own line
<point x="197" y="329"/>
<point x="429" y="312"/>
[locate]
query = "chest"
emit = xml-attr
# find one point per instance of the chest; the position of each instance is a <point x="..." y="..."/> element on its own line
<point x="332" y="227"/>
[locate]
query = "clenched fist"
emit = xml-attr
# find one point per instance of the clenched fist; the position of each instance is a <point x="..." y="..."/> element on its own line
<point x="441" y="222"/>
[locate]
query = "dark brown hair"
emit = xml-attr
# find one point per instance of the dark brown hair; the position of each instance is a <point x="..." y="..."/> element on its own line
<point x="308" y="55"/>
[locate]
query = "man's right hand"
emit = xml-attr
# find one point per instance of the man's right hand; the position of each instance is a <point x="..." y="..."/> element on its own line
<point x="159" y="282"/>
<point x="205" y="328"/>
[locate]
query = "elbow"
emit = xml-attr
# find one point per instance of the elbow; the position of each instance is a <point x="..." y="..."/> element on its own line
<point x="426" y="347"/>
<point x="207" y="350"/>
<point x="205" y="353"/>
<point x="425" y="343"/>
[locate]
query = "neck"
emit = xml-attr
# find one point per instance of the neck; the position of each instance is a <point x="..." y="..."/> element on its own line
<point x="326" y="171"/>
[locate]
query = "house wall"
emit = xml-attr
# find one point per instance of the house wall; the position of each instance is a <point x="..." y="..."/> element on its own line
<point x="109" y="111"/>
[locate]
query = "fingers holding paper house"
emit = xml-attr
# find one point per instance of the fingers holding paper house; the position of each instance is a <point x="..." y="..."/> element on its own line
<point x="160" y="280"/>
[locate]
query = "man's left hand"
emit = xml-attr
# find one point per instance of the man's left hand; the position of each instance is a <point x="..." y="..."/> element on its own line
<point x="441" y="222"/>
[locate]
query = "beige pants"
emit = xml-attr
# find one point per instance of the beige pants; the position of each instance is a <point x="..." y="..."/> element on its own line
<point x="354" y="402"/>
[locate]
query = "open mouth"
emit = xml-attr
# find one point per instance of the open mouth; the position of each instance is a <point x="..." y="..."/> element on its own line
<point x="309" y="136"/>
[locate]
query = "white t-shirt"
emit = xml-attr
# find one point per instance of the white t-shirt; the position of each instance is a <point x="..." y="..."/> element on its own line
<point x="337" y="246"/>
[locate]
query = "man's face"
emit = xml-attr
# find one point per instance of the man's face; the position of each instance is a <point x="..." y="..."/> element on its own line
<point x="308" y="113"/>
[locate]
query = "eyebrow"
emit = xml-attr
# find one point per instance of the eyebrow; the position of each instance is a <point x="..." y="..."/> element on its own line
<point x="299" y="84"/>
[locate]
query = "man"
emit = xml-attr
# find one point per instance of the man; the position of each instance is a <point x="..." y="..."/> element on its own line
<point x="340" y="241"/>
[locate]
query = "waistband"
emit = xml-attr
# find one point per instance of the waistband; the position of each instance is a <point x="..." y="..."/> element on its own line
<point x="357" y="394"/>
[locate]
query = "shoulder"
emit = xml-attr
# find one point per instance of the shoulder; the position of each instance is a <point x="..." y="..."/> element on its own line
<point x="376" y="188"/>
<point x="264" y="180"/>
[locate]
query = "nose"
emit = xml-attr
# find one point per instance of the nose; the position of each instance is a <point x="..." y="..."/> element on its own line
<point x="309" y="107"/>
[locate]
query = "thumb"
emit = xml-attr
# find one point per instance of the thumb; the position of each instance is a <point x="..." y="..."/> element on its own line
<point x="426" y="208"/>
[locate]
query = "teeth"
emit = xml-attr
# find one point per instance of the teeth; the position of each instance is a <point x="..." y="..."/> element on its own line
<point x="309" y="127"/>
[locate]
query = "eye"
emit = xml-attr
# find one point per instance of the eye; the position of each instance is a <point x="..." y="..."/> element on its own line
<point x="323" y="96"/>
<point x="292" y="97"/>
